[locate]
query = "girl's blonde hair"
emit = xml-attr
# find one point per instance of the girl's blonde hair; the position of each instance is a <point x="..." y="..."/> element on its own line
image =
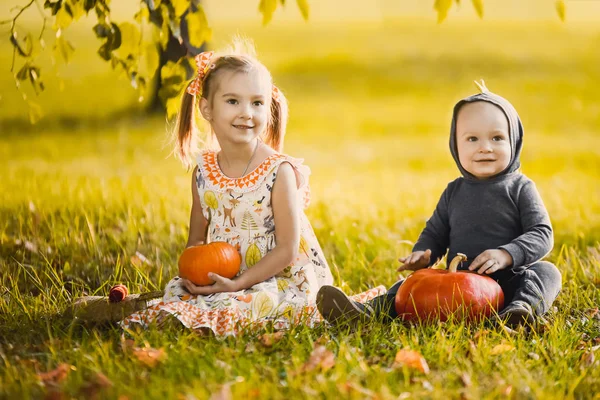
<point x="240" y="57"/>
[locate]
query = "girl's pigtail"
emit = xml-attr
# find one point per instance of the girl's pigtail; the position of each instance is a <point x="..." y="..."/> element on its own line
<point x="185" y="131"/>
<point x="277" y="123"/>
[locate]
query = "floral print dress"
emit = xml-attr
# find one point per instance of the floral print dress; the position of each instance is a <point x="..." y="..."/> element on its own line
<point x="240" y="212"/>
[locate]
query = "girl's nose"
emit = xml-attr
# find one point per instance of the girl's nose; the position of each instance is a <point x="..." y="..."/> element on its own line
<point x="246" y="113"/>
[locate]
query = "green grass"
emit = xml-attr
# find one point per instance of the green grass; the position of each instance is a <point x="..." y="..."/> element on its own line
<point x="370" y="109"/>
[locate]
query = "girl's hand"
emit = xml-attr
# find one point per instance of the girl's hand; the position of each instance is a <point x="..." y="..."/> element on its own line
<point x="415" y="261"/>
<point x="221" y="285"/>
<point x="491" y="261"/>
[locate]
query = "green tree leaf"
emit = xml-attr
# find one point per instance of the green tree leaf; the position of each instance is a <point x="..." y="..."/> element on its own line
<point x="152" y="58"/>
<point x="63" y="18"/>
<point x="35" y="112"/>
<point x="561" y="9"/>
<point x="62" y="48"/>
<point x="478" y="5"/>
<point x="267" y="8"/>
<point x="180" y="6"/>
<point x="304" y="8"/>
<point x="130" y="39"/>
<point x="198" y="29"/>
<point x="442" y="7"/>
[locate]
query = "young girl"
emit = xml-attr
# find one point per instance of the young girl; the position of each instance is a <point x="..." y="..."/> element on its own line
<point x="249" y="195"/>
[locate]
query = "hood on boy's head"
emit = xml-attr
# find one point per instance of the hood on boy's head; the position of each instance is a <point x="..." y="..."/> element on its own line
<point x="514" y="125"/>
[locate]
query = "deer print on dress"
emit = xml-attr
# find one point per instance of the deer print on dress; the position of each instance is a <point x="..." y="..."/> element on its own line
<point x="227" y="212"/>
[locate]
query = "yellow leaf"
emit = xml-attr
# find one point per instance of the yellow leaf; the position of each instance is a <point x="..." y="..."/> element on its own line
<point x="561" y="9"/>
<point x="253" y="255"/>
<point x="198" y="29"/>
<point x="267" y="8"/>
<point x="411" y="359"/>
<point x="262" y="305"/>
<point x="211" y="200"/>
<point x="304" y="8"/>
<point x="501" y="348"/>
<point x="442" y="7"/>
<point x="478" y="4"/>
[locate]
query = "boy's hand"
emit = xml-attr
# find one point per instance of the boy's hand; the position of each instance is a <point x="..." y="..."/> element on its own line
<point x="415" y="261"/>
<point x="221" y="284"/>
<point x="491" y="261"/>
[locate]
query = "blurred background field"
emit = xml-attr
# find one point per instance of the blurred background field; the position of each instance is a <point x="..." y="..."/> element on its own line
<point x="371" y="89"/>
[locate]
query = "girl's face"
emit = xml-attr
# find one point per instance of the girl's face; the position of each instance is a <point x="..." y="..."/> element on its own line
<point x="238" y="108"/>
<point x="482" y="139"/>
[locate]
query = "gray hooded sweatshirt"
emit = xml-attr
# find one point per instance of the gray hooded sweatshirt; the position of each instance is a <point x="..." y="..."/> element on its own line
<point x="501" y="212"/>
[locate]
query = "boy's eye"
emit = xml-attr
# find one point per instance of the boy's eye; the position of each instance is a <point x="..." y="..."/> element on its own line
<point x="471" y="139"/>
<point x="232" y="101"/>
<point x="498" y="138"/>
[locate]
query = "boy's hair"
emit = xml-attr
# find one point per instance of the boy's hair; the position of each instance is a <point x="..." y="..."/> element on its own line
<point x="240" y="57"/>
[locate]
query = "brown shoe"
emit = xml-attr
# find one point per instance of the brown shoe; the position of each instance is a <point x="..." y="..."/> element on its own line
<point x="337" y="308"/>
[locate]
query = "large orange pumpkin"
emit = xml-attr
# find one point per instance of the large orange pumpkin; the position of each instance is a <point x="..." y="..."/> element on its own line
<point x="429" y="294"/>
<point x="219" y="257"/>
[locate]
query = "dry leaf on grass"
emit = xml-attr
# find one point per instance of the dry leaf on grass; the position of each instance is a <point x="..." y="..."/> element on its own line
<point x="55" y="376"/>
<point x="92" y="389"/>
<point x="269" y="339"/>
<point x="501" y="349"/>
<point x="320" y="359"/>
<point x="411" y="359"/>
<point x="149" y="356"/>
<point x="223" y="394"/>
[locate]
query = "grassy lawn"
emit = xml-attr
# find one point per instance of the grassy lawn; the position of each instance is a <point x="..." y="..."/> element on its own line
<point x="91" y="184"/>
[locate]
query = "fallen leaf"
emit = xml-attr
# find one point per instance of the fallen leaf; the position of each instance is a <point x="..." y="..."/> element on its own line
<point x="588" y="359"/>
<point x="411" y="359"/>
<point x="501" y="349"/>
<point x="149" y="356"/>
<point x="481" y="333"/>
<point x="223" y="394"/>
<point x="92" y="389"/>
<point x="250" y="348"/>
<point x="269" y="339"/>
<point x="55" y="376"/>
<point x="32" y="247"/>
<point x="465" y="379"/>
<point x="507" y="390"/>
<point x="320" y="358"/>
<point x="534" y="356"/>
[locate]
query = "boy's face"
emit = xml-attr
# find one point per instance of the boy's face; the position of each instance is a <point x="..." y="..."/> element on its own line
<point x="482" y="139"/>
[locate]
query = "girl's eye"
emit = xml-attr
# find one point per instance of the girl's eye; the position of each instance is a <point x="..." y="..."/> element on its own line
<point x="232" y="101"/>
<point x="258" y="103"/>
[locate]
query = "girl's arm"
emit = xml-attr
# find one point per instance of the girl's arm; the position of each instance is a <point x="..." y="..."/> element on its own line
<point x="284" y="200"/>
<point x="198" y="224"/>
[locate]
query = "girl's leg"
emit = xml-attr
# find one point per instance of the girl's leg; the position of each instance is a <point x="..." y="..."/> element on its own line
<point x="336" y="307"/>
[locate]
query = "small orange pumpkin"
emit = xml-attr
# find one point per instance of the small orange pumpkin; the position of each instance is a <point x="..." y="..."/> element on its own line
<point x="436" y="294"/>
<point x="219" y="257"/>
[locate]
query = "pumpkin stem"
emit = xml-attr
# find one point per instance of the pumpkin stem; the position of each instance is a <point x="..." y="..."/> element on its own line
<point x="460" y="257"/>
